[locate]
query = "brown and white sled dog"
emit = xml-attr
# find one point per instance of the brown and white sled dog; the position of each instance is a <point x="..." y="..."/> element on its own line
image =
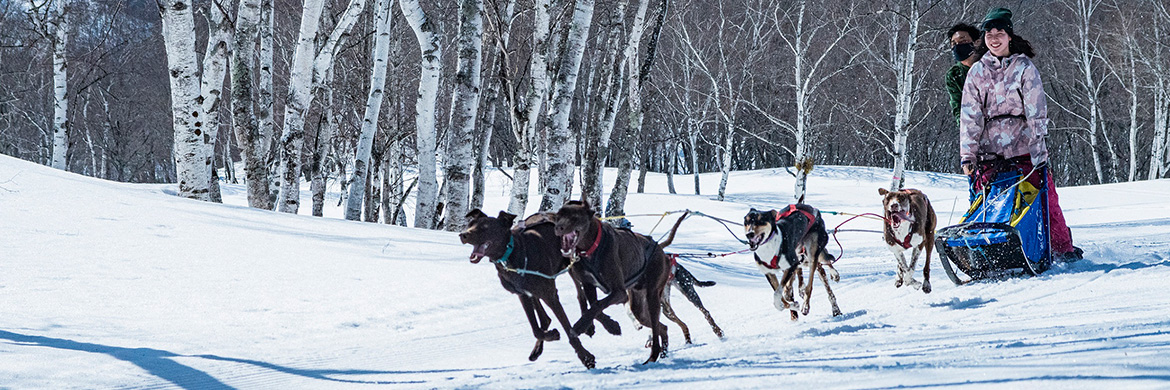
<point x="782" y="242"/>
<point x="910" y="223"/>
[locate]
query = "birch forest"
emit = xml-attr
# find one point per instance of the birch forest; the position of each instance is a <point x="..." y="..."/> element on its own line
<point x="405" y="104"/>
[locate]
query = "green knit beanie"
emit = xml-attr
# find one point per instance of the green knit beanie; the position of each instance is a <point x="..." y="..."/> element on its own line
<point x="1000" y="18"/>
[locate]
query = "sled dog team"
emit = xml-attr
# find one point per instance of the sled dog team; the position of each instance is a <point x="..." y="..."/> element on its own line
<point x="633" y="269"/>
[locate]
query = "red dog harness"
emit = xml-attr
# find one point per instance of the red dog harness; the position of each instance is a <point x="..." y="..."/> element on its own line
<point x="593" y="248"/>
<point x="774" y="264"/>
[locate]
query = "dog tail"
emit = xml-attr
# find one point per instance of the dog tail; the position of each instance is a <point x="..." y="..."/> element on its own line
<point x="670" y="237"/>
<point x="682" y="276"/>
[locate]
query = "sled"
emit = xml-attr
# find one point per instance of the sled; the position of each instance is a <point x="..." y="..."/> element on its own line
<point x="1004" y="232"/>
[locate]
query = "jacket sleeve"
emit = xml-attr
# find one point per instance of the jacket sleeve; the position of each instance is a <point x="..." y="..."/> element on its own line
<point x="971" y="115"/>
<point x="955" y="90"/>
<point x="1036" y="110"/>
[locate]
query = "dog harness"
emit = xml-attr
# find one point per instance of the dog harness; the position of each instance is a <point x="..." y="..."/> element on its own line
<point x="592" y="248"/>
<point x="775" y="263"/>
<point x="503" y="262"/>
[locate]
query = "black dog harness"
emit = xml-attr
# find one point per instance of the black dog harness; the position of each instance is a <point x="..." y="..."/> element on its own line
<point x="775" y="263"/>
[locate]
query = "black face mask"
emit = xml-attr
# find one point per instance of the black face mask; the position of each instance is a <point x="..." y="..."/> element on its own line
<point x="963" y="51"/>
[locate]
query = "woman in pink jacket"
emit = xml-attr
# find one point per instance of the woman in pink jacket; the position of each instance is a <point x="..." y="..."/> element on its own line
<point x="1004" y="116"/>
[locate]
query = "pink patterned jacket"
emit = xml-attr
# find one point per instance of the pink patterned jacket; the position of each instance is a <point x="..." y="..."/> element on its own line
<point x="1004" y="110"/>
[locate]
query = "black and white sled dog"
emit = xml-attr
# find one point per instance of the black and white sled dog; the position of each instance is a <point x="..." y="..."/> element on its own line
<point x="783" y="241"/>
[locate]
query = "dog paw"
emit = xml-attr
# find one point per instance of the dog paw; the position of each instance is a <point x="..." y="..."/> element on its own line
<point x="898" y="282"/>
<point x="835" y="276"/>
<point x="587" y="359"/>
<point x="718" y="332"/>
<point x="612" y="327"/>
<point x="926" y="287"/>
<point x="552" y="335"/>
<point x="836" y="311"/>
<point x="793" y="313"/>
<point x="779" y="301"/>
<point x="536" y="351"/>
<point x="585" y="328"/>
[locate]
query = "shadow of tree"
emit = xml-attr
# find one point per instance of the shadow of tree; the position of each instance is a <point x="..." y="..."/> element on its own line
<point x="156" y="362"/>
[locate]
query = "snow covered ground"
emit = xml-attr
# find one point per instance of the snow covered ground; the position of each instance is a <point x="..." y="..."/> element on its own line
<point x="108" y="285"/>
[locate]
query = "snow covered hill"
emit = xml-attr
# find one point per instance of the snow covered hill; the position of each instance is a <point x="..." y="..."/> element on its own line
<point x="109" y="285"/>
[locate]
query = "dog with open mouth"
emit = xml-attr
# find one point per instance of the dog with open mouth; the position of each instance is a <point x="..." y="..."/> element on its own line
<point x="527" y="260"/>
<point x="909" y="225"/>
<point x="782" y="241"/>
<point x="626" y="266"/>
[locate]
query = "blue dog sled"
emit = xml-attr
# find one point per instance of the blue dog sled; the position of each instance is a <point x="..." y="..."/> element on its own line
<point x="1004" y="231"/>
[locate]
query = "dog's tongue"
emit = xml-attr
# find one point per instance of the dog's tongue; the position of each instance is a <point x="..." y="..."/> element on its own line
<point x="895" y="220"/>
<point x="477" y="252"/>
<point x="568" y="243"/>
<point x="755" y="241"/>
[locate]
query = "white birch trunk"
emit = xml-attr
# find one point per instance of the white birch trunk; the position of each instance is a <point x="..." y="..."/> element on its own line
<point x="904" y="95"/>
<point x="308" y="70"/>
<point x="324" y="146"/>
<point x="427" y="33"/>
<point x="60" y="88"/>
<point x="595" y="147"/>
<point x="524" y="122"/>
<point x="1161" y="122"/>
<point x="617" y="197"/>
<point x="725" y="161"/>
<point x="561" y="148"/>
<point x="1084" y="10"/>
<point x="464" y="113"/>
<point x="191" y="159"/>
<point x="265" y="108"/>
<point x="362" y="164"/>
<point x="214" y="69"/>
<point x="253" y="144"/>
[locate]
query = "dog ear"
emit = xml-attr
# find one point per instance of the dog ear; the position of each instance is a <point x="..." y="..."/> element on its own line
<point x="883" y="191"/>
<point x="506" y="217"/>
<point x="772" y="214"/>
<point x="474" y="215"/>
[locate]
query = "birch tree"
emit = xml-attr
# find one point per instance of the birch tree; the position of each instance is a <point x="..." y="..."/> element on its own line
<point x="809" y="72"/>
<point x="609" y="81"/>
<point x="501" y="29"/>
<point x="464" y="113"/>
<point x="60" y="41"/>
<point x="1087" y="53"/>
<point x="309" y="68"/>
<point x="426" y="30"/>
<point x="191" y="158"/>
<point x="249" y="135"/>
<point x="634" y="78"/>
<point x="211" y="89"/>
<point x="523" y="115"/>
<point x="561" y="149"/>
<point x="362" y="164"/>
<point x="900" y="25"/>
<point x="1155" y="55"/>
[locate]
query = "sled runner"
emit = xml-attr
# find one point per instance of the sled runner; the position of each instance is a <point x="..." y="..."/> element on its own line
<point x="1004" y="231"/>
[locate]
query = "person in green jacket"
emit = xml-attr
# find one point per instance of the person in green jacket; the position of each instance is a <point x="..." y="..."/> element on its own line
<point x="965" y="38"/>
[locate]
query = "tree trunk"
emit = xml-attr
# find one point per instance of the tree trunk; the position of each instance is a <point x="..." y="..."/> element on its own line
<point x="427" y="32"/>
<point x="561" y="149"/>
<point x="309" y="67"/>
<point x="362" y="164"/>
<point x="464" y="113"/>
<point x="318" y="173"/>
<point x="248" y="135"/>
<point x="191" y="160"/>
<point x="61" y="86"/>
<point x="214" y="68"/>
<point x="524" y="119"/>
<point x="266" y="153"/>
<point x="617" y="197"/>
<point x="595" y="146"/>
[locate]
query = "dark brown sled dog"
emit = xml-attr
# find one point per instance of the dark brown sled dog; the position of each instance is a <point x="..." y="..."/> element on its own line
<point x="625" y="265"/>
<point x="527" y="261"/>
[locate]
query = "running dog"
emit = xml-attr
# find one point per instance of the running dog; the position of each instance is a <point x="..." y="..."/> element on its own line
<point x="782" y="242"/>
<point x="625" y="265"/>
<point x="685" y="282"/>
<point x="910" y="222"/>
<point x="527" y="261"/>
